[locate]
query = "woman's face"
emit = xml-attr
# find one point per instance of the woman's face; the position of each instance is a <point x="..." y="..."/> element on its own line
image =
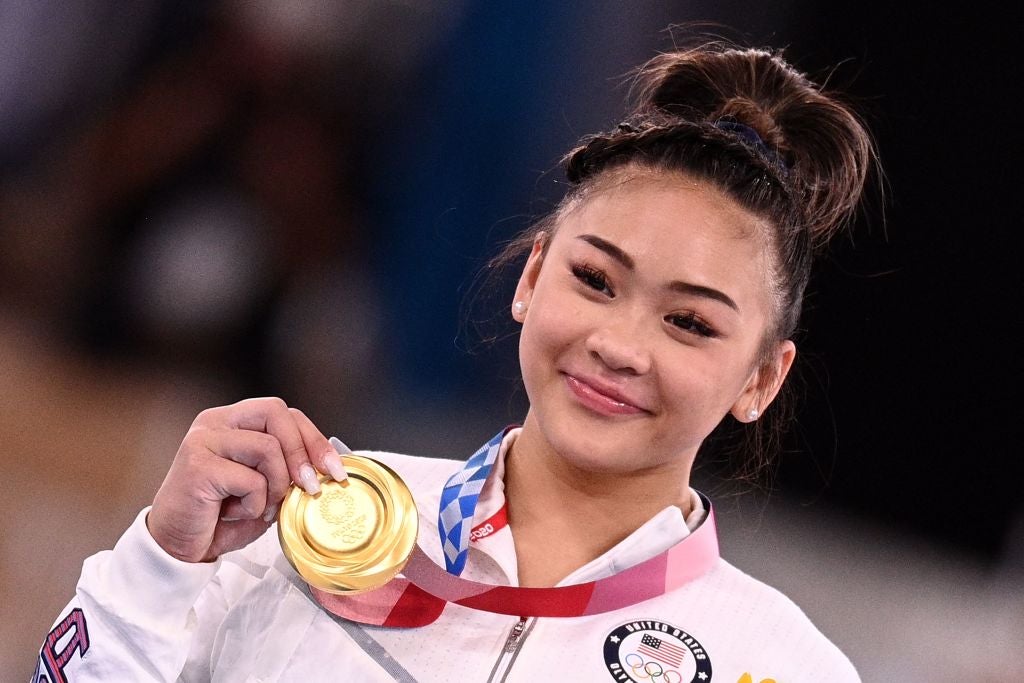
<point x="644" y="319"/>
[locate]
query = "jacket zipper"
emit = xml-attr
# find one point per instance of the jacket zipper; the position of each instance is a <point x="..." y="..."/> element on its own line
<point x="508" y="653"/>
<point x="512" y="644"/>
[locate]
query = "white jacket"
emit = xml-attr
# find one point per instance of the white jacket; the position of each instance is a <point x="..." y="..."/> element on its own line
<point x="141" y="615"/>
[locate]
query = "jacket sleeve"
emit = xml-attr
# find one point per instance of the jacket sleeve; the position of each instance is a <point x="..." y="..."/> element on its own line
<point x="134" y="615"/>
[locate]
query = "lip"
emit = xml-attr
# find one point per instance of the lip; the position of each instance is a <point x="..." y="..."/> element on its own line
<point x="602" y="398"/>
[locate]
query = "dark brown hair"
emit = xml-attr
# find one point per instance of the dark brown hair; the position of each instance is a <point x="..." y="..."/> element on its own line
<point x="748" y="123"/>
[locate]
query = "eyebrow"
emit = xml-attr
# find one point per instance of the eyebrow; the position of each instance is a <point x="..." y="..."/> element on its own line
<point x="676" y="285"/>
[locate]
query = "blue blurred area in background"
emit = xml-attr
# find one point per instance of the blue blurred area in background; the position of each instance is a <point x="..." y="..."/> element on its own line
<point x="469" y="156"/>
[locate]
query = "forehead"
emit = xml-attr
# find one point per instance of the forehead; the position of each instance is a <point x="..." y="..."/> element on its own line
<point x="672" y="210"/>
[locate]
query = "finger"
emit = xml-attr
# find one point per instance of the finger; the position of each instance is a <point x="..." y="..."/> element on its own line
<point x="231" y="535"/>
<point x="232" y="510"/>
<point x="227" y="479"/>
<point x="271" y="415"/>
<point x="324" y="456"/>
<point x="258" y="450"/>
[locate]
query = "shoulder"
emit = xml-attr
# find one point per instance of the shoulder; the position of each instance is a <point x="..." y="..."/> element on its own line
<point x="754" y="597"/>
<point x="764" y="621"/>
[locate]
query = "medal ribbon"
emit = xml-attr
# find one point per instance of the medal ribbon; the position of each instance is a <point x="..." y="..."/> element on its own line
<point x="419" y="598"/>
<point x="458" y="503"/>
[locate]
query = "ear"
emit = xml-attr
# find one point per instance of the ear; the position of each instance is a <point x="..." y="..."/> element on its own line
<point x="528" y="278"/>
<point x="764" y="383"/>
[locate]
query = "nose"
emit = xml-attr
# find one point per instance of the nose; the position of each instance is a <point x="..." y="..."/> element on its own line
<point x="620" y="345"/>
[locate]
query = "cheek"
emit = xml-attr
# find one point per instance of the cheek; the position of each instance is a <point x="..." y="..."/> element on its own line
<point x="540" y="341"/>
<point x="534" y="363"/>
<point x="703" y="388"/>
<point x="546" y="337"/>
<point x="698" y="406"/>
<point x="554" y="320"/>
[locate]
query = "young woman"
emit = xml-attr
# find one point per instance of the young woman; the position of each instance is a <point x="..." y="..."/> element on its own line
<point x="658" y="300"/>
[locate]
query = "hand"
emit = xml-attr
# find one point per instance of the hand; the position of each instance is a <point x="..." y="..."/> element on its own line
<point x="231" y="473"/>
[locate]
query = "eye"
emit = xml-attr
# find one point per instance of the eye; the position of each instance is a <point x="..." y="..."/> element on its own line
<point x="691" y="322"/>
<point x="593" y="278"/>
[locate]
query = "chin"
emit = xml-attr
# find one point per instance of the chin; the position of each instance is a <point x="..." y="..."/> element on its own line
<point x="596" y="452"/>
<point x="597" y="463"/>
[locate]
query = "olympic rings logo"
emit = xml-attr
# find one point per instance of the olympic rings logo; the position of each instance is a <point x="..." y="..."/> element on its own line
<point x="653" y="670"/>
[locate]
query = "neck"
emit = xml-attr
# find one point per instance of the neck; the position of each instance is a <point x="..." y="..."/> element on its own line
<point x="549" y="497"/>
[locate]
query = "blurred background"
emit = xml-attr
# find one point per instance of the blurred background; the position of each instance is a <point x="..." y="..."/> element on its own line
<point x="204" y="201"/>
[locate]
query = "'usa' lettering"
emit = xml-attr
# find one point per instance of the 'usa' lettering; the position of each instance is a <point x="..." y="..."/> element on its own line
<point x="54" y="662"/>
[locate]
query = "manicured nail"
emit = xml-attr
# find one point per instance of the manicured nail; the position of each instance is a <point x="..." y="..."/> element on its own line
<point x="270" y="513"/>
<point x="332" y="461"/>
<point x="340" y="446"/>
<point x="308" y="479"/>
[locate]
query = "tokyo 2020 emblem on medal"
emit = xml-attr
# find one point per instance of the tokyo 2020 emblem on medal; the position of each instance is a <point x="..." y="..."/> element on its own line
<point x="648" y="651"/>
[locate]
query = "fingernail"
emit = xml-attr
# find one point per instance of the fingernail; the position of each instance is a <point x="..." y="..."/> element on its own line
<point x="308" y="479"/>
<point x="270" y="513"/>
<point x="332" y="461"/>
<point x="229" y="519"/>
<point x="340" y="446"/>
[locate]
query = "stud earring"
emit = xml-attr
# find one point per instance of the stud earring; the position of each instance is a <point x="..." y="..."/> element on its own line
<point x="753" y="414"/>
<point x="519" y="308"/>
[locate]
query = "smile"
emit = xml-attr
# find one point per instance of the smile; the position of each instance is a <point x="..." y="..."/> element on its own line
<point x="604" y="400"/>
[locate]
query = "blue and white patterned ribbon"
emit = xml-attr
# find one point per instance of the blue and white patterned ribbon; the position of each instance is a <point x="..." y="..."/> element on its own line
<point x="458" y="503"/>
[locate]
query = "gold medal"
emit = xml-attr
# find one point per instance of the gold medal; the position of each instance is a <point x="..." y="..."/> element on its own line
<point x="351" y="537"/>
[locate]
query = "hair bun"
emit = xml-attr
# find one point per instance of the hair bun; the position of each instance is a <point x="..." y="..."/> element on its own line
<point x="823" y="144"/>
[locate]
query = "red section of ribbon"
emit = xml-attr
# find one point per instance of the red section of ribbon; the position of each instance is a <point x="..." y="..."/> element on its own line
<point x="491" y="525"/>
<point x="416" y="607"/>
<point x="567" y="601"/>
